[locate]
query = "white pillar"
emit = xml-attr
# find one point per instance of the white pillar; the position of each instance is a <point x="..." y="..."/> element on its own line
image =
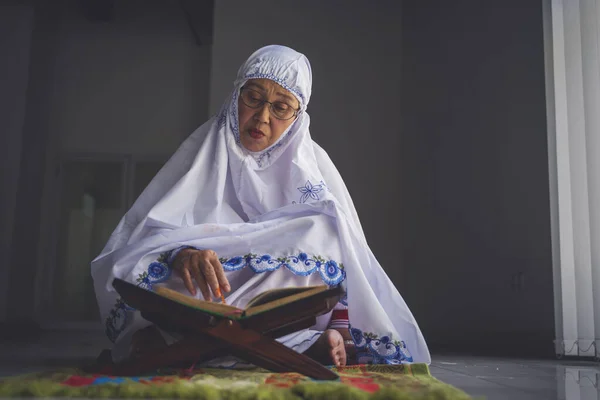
<point x="590" y="32"/>
<point x="573" y="91"/>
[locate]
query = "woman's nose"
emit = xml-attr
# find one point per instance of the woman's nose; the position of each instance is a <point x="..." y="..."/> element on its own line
<point x="263" y="113"/>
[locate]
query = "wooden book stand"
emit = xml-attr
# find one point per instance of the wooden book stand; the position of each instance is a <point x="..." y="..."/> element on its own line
<point x="206" y="336"/>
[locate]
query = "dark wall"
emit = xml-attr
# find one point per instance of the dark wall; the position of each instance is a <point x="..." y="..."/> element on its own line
<point x="126" y="84"/>
<point x="476" y="239"/>
<point x="459" y="214"/>
<point x="16" y="22"/>
<point x="23" y="255"/>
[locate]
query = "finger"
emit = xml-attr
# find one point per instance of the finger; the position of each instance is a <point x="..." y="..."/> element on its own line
<point x="343" y="358"/>
<point x="220" y="272"/>
<point x="187" y="281"/>
<point x="196" y="266"/>
<point x="183" y="270"/>
<point x="336" y="360"/>
<point x="209" y="274"/>
<point x="182" y="259"/>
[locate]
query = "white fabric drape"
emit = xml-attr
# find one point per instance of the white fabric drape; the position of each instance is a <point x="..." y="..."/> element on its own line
<point x="572" y="35"/>
<point x="279" y="217"/>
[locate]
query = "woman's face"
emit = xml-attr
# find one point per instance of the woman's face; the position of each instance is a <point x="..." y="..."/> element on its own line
<point x="259" y="128"/>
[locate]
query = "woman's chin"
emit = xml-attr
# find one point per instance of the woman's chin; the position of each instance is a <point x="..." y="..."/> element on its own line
<point x="254" y="145"/>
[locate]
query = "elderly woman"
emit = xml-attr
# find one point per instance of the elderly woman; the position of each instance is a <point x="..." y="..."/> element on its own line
<point x="257" y="205"/>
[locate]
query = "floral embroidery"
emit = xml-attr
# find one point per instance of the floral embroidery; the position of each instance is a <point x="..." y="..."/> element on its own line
<point x="310" y="190"/>
<point x="119" y="315"/>
<point x="233" y="117"/>
<point x="158" y="271"/>
<point x="117" y="319"/>
<point x="331" y="272"/>
<point x="221" y="118"/>
<point x="371" y="349"/>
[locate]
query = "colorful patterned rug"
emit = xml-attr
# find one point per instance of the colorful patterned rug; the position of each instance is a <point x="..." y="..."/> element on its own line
<point x="356" y="382"/>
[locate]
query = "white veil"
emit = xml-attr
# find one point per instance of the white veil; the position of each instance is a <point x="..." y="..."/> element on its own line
<point x="279" y="217"/>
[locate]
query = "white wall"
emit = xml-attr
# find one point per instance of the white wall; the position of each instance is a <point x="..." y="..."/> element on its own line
<point x="136" y="84"/>
<point x="435" y="116"/>
<point x="354" y="50"/>
<point x="16" y="25"/>
<point x="476" y="231"/>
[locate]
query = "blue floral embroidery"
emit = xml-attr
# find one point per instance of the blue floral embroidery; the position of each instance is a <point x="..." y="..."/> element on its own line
<point x="221" y="118"/>
<point x="310" y="190"/>
<point x="158" y="271"/>
<point x="119" y="315"/>
<point x="117" y="320"/>
<point x="233" y="116"/>
<point x="371" y="349"/>
<point x="331" y="272"/>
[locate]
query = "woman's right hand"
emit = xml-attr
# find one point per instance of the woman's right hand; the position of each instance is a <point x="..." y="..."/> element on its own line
<point x="202" y="269"/>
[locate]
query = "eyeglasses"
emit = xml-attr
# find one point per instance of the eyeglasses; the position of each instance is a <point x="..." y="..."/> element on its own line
<point x="278" y="109"/>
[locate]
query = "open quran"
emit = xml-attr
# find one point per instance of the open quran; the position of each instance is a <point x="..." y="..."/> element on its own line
<point x="212" y="329"/>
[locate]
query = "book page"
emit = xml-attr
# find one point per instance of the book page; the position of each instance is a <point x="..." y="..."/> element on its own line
<point x="275" y="294"/>
<point x="218" y="309"/>
<point x="278" y="297"/>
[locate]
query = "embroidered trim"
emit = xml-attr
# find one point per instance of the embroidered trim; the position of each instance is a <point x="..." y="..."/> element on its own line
<point x="307" y="340"/>
<point x="371" y="349"/>
<point x="267" y="153"/>
<point x="233" y="115"/>
<point x="281" y="82"/>
<point x="222" y="117"/>
<point x="302" y="264"/>
<point x="159" y="271"/>
<point x="118" y="317"/>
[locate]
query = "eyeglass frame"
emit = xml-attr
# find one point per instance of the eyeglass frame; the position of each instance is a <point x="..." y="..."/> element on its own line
<point x="262" y="104"/>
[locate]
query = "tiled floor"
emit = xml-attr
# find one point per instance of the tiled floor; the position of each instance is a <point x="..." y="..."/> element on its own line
<point x="497" y="378"/>
<point x="491" y="378"/>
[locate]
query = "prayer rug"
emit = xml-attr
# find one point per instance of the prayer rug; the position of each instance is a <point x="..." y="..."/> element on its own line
<point x="356" y="382"/>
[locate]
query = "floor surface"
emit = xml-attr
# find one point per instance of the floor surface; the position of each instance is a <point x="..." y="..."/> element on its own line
<point x="491" y="378"/>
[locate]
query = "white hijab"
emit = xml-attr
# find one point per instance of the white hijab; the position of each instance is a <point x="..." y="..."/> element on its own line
<point x="279" y="217"/>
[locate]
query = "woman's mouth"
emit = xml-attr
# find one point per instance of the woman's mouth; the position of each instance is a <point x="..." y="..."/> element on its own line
<point x="256" y="133"/>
